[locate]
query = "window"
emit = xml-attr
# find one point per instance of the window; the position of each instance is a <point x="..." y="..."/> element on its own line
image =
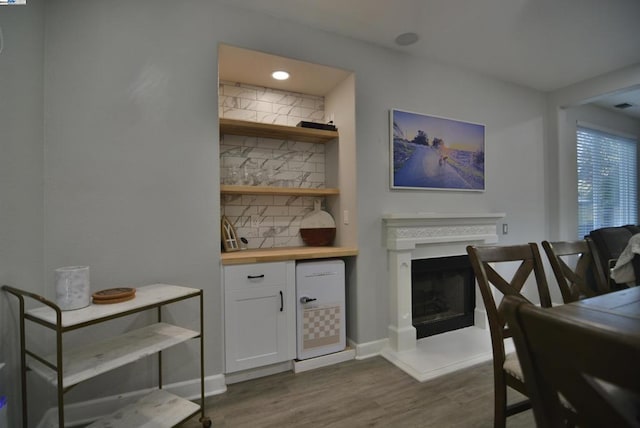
<point x="607" y="180"/>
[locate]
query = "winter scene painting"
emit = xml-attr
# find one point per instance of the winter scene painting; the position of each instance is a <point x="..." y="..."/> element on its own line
<point x="429" y="152"/>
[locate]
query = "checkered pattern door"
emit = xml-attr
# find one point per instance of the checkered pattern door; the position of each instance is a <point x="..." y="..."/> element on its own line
<point x="321" y="327"/>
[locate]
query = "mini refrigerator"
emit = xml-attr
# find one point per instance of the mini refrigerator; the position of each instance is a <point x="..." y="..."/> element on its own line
<point x="320" y="297"/>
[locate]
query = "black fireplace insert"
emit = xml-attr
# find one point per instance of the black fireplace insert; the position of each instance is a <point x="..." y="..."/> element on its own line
<point x="442" y="294"/>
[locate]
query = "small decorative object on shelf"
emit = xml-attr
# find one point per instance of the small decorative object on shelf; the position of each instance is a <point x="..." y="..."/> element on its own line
<point x="327" y="127"/>
<point x="113" y="295"/>
<point x="318" y="229"/>
<point x="229" y="236"/>
<point x="72" y="287"/>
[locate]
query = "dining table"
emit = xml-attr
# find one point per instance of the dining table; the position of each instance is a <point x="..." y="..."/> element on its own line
<point x="618" y="311"/>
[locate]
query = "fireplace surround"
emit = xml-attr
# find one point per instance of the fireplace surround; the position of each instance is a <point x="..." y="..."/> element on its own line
<point x="411" y="236"/>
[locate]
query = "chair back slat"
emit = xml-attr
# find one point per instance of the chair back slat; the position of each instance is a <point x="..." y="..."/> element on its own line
<point x="483" y="260"/>
<point x="572" y="281"/>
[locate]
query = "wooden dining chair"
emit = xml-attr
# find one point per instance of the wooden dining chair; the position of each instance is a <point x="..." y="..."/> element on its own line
<point x="574" y="280"/>
<point x="506" y="368"/>
<point x="576" y="373"/>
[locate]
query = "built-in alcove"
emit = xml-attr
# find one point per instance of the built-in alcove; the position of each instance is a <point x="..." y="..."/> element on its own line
<point x="313" y="93"/>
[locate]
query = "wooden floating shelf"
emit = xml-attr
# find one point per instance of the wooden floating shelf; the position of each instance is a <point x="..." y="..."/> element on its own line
<point x="279" y="132"/>
<point x="261" y="255"/>
<point x="227" y="189"/>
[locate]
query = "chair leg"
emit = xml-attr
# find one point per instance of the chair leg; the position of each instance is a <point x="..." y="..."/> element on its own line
<point x="500" y="402"/>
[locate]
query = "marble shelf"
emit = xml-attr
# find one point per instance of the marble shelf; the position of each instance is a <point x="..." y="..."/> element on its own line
<point x="147" y="295"/>
<point x="158" y="409"/>
<point x="85" y="362"/>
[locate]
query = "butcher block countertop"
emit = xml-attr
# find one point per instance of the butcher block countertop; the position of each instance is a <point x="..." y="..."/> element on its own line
<point x="285" y="253"/>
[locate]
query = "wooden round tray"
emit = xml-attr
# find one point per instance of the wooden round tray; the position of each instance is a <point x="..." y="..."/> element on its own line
<point x="113" y="295"/>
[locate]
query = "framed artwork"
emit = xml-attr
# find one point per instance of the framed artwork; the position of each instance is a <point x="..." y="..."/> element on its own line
<point x="435" y="153"/>
<point x="229" y="236"/>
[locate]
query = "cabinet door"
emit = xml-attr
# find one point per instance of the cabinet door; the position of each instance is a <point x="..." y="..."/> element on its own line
<point x="255" y="328"/>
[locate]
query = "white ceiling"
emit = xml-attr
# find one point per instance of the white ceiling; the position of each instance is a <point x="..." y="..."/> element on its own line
<point x="542" y="44"/>
<point x="631" y="96"/>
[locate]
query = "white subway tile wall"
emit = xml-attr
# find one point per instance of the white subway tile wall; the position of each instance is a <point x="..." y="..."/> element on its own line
<point x="269" y="221"/>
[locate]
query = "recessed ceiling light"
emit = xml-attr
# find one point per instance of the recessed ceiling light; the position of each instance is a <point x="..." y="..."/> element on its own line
<point x="280" y="75"/>
<point x="406" y="39"/>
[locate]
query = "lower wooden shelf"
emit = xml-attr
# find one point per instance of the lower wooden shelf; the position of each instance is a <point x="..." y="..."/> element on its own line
<point x="158" y="409"/>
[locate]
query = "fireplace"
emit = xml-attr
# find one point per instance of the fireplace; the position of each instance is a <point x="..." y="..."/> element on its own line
<point x="409" y="238"/>
<point x="442" y="295"/>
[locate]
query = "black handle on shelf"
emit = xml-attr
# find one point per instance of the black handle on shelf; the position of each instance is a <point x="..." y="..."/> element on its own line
<point x="281" y="301"/>
<point x="255" y="276"/>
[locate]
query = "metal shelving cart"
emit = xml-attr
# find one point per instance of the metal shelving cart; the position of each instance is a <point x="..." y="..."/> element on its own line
<point x="66" y="368"/>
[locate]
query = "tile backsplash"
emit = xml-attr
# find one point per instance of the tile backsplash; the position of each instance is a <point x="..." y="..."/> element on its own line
<point x="266" y="105"/>
<point x="269" y="221"/>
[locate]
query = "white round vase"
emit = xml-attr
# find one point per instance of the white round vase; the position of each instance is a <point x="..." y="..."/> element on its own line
<point x="72" y="287"/>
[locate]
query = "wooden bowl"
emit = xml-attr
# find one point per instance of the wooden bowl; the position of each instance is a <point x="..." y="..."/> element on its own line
<point x="318" y="237"/>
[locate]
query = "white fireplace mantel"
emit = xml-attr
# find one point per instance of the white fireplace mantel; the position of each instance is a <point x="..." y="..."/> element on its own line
<point x="404" y="231"/>
<point x="411" y="236"/>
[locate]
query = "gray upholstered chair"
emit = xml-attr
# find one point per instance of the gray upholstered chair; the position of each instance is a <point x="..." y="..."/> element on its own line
<point x="607" y="243"/>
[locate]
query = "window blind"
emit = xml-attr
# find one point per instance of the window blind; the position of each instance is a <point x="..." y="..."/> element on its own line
<point x="607" y="180"/>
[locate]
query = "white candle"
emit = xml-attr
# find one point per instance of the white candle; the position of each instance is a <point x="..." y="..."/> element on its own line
<point x="72" y="287"/>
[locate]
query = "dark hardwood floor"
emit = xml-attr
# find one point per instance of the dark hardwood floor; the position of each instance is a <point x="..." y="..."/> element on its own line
<point x="367" y="393"/>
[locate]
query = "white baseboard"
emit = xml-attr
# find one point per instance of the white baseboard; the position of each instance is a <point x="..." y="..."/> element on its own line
<point x="258" y="372"/>
<point x="300" y="366"/>
<point x="85" y="412"/>
<point x="368" y="349"/>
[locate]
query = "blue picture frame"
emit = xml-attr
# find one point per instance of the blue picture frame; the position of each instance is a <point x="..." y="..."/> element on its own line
<point x="436" y="153"/>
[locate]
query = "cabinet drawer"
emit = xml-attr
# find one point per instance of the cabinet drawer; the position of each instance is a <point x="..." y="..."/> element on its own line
<point x="255" y="275"/>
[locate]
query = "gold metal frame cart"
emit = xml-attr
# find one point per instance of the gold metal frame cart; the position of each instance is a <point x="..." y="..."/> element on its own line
<point x="68" y="367"/>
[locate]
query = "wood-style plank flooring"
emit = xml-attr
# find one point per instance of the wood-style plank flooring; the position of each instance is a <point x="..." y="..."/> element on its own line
<point x="367" y="393"/>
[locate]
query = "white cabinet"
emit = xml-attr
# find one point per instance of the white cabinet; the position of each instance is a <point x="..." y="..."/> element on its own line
<point x="259" y="320"/>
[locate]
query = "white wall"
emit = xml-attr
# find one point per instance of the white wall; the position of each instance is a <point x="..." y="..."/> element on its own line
<point x="21" y="191"/>
<point x="341" y="162"/>
<point x="131" y="163"/>
<point x="514" y="119"/>
<point x="131" y="148"/>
